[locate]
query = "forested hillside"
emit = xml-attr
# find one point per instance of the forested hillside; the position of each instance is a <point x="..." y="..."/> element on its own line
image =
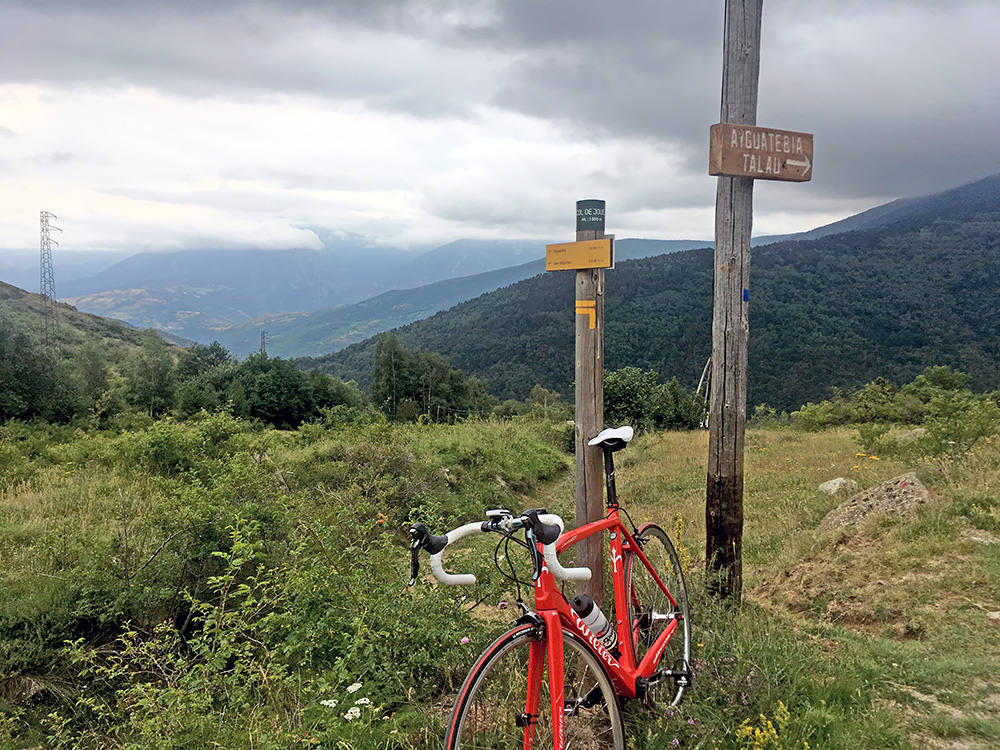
<point x="71" y="374"/>
<point x="102" y="373"/>
<point x="832" y="312"/>
<point x="328" y="330"/>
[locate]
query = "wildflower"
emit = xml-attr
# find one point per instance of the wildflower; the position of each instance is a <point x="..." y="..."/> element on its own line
<point x="701" y="645"/>
<point x="860" y="455"/>
<point x="677" y="742"/>
<point x="874" y="458"/>
<point x="354" y="688"/>
<point x="382" y="518"/>
<point x="363" y="702"/>
<point x="352" y="713"/>
<point x="329" y="703"/>
<point x="465" y="639"/>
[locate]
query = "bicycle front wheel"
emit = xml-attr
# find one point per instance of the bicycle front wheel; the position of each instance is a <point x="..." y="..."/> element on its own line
<point x="493" y="709"/>
<point x="652" y="610"/>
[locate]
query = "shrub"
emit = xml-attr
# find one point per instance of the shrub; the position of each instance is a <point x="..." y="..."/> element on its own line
<point x="634" y="397"/>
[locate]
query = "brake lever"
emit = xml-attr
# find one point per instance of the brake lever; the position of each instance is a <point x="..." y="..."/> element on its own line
<point x="414" y="564"/>
<point x="423" y="539"/>
<point x="418" y="534"/>
<point x="536" y="556"/>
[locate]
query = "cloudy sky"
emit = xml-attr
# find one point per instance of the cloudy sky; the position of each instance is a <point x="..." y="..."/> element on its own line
<point x="224" y="123"/>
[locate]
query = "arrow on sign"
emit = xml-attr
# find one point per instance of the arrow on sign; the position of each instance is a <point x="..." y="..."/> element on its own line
<point x="806" y="164"/>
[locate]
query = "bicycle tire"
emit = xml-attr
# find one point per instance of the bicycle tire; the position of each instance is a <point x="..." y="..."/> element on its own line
<point x="491" y="702"/>
<point x="650" y="610"/>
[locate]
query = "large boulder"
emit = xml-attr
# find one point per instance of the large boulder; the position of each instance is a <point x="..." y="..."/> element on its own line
<point x="897" y="497"/>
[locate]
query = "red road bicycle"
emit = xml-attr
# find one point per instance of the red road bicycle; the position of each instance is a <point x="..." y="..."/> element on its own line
<point x="558" y="677"/>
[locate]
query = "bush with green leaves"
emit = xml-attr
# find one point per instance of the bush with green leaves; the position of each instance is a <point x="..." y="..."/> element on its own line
<point x="635" y="397"/>
<point x="225" y="583"/>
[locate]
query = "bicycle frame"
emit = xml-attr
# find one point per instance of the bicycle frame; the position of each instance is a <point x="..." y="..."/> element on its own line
<point x="629" y="676"/>
<point x="556" y="613"/>
<point x="623" y="671"/>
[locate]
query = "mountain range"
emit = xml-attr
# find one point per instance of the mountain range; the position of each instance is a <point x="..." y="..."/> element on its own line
<point x="886" y="293"/>
<point x="309" y="302"/>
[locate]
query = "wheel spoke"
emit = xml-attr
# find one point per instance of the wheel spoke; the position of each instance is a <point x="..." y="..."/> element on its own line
<point x="651" y="609"/>
<point x="491" y="709"/>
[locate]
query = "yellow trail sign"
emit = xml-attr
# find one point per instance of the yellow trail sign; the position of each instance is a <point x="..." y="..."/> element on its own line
<point x="577" y="255"/>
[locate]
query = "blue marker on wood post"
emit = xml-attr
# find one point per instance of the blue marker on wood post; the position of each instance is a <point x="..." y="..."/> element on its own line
<point x="746" y="295"/>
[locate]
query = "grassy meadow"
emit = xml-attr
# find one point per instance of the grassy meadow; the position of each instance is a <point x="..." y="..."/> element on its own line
<point x="218" y="584"/>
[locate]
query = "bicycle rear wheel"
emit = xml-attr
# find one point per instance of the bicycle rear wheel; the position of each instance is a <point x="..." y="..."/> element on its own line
<point x="651" y="610"/>
<point x="490" y="711"/>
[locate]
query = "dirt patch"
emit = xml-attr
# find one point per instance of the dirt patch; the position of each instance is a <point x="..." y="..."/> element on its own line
<point x="986" y="708"/>
<point x="849" y="580"/>
<point x="980" y="536"/>
<point x="896" y="497"/>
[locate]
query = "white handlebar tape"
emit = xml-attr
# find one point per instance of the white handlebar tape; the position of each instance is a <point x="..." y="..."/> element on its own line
<point x="557" y="570"/>
<point x="461" y="579"/>
<point x="552" y="561"/>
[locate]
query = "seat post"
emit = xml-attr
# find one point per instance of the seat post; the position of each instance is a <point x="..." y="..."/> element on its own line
<point x="609" y="475"/>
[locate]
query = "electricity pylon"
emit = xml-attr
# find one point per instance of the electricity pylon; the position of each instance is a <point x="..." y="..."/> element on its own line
<point x="47" y="284"/>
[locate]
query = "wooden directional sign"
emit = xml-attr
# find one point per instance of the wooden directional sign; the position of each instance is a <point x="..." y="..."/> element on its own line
<point x="578" y="255"/>
<point x="762" y="153"/>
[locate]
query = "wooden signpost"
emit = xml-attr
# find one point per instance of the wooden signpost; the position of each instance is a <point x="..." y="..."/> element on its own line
<point x="589" y="256"/>
<point x="762" y="153"/>
<point x="739" y="153"/>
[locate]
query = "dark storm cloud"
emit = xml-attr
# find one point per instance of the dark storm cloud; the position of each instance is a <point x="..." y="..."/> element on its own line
<point x="901" y="95"/>
<point x="379" y="53"/>
<point x="648" y="69"/>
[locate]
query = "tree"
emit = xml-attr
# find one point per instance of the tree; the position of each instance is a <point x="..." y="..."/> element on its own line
<point x="272" y="390"/>
<point x="676" y="408"/>
<point x="633" y="396"/>
<point x="406" y="384"/>
<point x="28" y="376"/>
<point x="876" y="402"/>
<point x="933" y="380"/>
<point x="629" y="397"/>
<point x="393" y="375"/>
<point x="198" y="359"/>
<point x="329" y="391"/>
<point x="150" y="376"/>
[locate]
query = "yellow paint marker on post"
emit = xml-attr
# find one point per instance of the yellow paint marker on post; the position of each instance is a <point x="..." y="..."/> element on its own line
<point x="588" y="308"/>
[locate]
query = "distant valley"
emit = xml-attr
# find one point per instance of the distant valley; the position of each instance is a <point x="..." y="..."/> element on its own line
<point x="907" y="286"/>
<point x="887" y="292"/>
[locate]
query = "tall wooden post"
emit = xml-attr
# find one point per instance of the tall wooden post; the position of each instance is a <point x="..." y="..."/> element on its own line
<point x="730" y="321"/>
<point x="590" y="398"/>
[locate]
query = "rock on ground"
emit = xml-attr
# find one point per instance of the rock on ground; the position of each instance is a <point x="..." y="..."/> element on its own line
<point x="896" y="497"/>
<point x="840" y="485"/>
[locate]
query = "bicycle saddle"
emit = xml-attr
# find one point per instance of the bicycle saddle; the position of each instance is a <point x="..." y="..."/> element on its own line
<point x="614" y="438"/>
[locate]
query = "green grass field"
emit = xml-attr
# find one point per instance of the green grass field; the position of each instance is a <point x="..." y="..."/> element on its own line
<point x="214" y="579"/>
